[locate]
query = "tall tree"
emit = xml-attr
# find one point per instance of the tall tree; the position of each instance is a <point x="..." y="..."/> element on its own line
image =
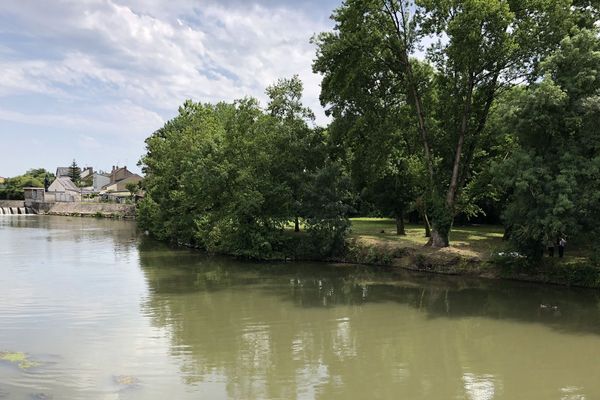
<point x="296" y="139"/>
<point x="483" y="47"/>
<point x="75" y="172"/>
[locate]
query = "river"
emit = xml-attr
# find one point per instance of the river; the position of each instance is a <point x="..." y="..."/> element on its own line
<point x="91" y="309"/>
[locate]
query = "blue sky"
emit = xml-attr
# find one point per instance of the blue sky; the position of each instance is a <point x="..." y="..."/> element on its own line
<point x="91" y="79"/>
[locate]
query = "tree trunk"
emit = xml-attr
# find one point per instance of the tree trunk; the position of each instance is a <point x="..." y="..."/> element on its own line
<point x="400" y="225"/>
<point x="296" y="225"/>
<point x="451" y="195"/>
<point x="427" y="225"/>
<point x="506" y="235"/>
<point x="438" y="239"/>
<point x="401" y="26"/>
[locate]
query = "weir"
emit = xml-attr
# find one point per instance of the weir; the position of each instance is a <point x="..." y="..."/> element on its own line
<point x="16" y="211"/>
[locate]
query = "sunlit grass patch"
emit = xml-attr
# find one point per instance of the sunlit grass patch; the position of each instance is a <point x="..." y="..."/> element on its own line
<point x="480" y="240"/>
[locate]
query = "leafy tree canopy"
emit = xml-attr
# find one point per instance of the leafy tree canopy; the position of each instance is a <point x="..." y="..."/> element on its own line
<point x="552" y="176"/>
<point x="231" y="177"/>
<point x="479" y="49"/>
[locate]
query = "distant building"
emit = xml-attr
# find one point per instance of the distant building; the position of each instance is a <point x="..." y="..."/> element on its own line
<point x="2" y="180"/>
<point x="121" y="186"/>
<point x="33" y="195"/>
<point x="100" y="181"/>
<point x="63" y="172"/>
<point x="86" y="172"/>
<point x="118" y="174"/>
<point x="64" y="189"/>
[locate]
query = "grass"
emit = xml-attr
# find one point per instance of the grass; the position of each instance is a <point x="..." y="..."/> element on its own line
<point x="474" y="241"/>
<point x="479" y="242"/>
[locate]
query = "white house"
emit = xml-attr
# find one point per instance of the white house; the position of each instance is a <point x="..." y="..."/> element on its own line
<point x="65" y="190"/>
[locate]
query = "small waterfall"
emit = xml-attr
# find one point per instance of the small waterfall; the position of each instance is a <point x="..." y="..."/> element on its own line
<point x="16" y="211"/>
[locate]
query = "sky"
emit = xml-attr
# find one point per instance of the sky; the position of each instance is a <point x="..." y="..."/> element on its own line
<point x="91" y="79"/>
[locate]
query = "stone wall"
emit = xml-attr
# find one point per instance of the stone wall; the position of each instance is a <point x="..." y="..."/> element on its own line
<point x="12" y="203"/>
<point x="107" y="210"/>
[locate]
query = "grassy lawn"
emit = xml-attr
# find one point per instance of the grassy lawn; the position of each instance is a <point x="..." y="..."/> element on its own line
<point x="477" y="241"/>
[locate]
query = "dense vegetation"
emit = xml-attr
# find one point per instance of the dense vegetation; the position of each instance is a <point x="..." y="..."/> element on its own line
<point x="13" y="187"/>
<point x="444" y="110"/>
<point x="233" y="178"/>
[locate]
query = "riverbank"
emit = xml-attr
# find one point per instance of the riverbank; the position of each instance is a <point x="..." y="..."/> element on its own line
<point x="100" y="210"/>
<point x="476" y="251"/>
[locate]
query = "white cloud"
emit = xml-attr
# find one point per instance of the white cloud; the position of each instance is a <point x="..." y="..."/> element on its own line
<point x="226" y="54"/>
<point x="105" y="120"/>
<point x="112" y="71"/>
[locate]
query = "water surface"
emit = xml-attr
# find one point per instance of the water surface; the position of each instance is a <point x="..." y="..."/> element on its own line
<point x="104" y="313"/>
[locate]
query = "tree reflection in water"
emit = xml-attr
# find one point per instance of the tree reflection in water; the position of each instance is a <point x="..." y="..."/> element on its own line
<point x="275" y="330"/>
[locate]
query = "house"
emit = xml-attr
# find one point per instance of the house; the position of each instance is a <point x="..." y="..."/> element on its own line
<point x="121" y="186"/>
<point x="63" y="172"/>
<point x="100" y="180"/>
<point x="113" y="186"/>
<point x="119" y="178"/>
<point x="33" y="195"/>
<point x="118" y="174"/>
<point x="64" y="189"/>
<point x="86" y="172"/>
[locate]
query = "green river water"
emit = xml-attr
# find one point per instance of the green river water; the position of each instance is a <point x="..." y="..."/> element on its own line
<point x="91" y="309"/>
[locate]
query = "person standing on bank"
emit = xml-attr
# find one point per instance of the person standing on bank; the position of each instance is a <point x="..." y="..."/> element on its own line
<point x="561" y="246"/>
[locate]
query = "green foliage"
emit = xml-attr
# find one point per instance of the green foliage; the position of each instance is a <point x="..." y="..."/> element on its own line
<point x="132" y="188"/>
<point x="326" y="207"/>
<point x="552" y="270"/>
<point x="437" y="109"/>
<point x="552" y="177"/>
<point x="75" y="173"/>
<point x="13" y="187"/>
<point x="230" y="178"/>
